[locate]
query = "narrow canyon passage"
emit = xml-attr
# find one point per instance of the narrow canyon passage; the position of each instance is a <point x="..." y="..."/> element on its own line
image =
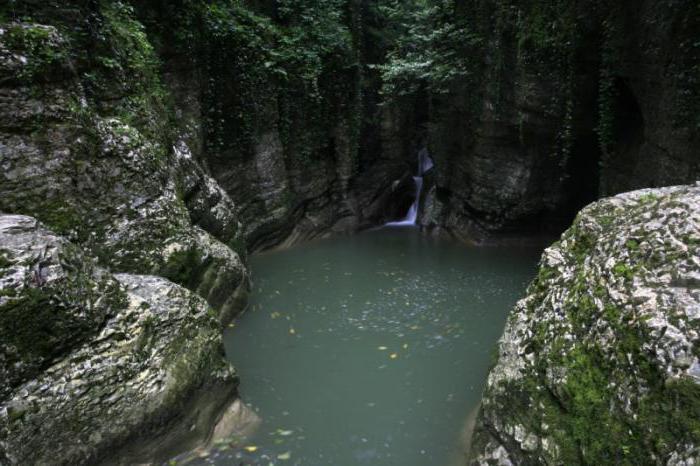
<point x="169" y="167"/>
<point x="371" y="349"/>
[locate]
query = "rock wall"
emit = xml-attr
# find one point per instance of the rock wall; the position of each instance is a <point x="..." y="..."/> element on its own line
<point x="599" y="363"/>
<point x="278" y="104"/>
<point x="101" y="360"/>
<point x="563" y="103"/>
<point x="153" y="139"/>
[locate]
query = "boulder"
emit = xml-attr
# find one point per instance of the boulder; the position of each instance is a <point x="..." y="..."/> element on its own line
<point x="100" y="367"/>
<point x="599" y="363"/>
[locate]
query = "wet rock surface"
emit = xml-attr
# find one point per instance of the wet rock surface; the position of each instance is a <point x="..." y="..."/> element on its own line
<point x="115" y="287"/>
<point x="599" y="362"/>
<point x="95" y="364"/>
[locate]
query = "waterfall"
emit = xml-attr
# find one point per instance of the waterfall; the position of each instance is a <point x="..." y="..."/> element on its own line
<point x="425" y="163"/>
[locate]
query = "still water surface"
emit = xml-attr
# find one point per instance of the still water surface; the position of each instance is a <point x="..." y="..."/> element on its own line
<point x="370" y="349"/>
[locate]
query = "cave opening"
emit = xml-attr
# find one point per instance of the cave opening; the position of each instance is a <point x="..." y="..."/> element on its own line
<point x="628" y="120"/>
<point x="583" y="170"/>
<point x="586" y="166"/>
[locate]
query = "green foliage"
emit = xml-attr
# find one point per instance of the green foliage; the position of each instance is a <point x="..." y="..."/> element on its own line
<point x="686" y="71"/>
<point x="548" y="37"/>
<point x="234" y="53"/>
<point x="297" y="72"/>
<point x="624" y="270"/>
<point x="185" y="267"/>
<point x="606" y="85"/>
<point x="4" y="261"/>
<point x="313" y="33"/>
<point x="429" y="47"/>
<point x="124" y="63"/>
<point x="40" y="50"/>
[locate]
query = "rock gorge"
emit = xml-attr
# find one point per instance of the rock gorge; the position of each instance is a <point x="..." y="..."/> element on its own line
<point x="148" y="147"/>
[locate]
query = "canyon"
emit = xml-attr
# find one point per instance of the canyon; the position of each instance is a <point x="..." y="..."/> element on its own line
<point x="148" y="148"/>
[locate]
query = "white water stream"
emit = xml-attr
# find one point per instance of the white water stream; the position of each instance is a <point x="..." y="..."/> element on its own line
<point x="425" y="163"/>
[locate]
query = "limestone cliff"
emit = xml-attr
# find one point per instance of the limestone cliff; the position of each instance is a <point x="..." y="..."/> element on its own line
<point x="282" y="110"/>
<point x="147" y="146"/>
<point x="599" y="362"/>
<point x="87" y="150"/>
<point x="563" y="102"/>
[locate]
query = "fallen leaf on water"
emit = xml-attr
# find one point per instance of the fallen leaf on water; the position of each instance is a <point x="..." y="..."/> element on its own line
<point x="284" y="433"/>
<point x="405" y="346"/>
<point x="284" y="456"/>
<point x="275" y="315"/>
<point x="251" y="448"/>
<point x="393" y="355"/>
<point x="292" y="331"/>
<point x="382" y="348"/>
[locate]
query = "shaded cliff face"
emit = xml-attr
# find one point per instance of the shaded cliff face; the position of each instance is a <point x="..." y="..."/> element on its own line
<point x="599" y="363"/>
<point x="87" y="149"/>
<point x="284" y="113"/>
<point x="563" y="103"/>
<point x="99" y="356"/>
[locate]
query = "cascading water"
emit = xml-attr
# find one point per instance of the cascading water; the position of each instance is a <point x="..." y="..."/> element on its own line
<point x="425" y="163"/>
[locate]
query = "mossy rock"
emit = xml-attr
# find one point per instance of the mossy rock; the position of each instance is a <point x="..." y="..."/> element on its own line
<point x="599" y="362"/>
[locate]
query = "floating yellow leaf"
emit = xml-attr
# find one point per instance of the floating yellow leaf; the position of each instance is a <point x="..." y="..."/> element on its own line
<point x="284" y="456"/>
<point x="292" y="331"/>
<point x="382" y="348"/>
<point x="284" y="433"/>
<point x="275" y="315"/>
<point x="405" y="346"/>
<point x="393" y="355"/>
<point x="251" y="448"/>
